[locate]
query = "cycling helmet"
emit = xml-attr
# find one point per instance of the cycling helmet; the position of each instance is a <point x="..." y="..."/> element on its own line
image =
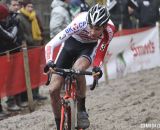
<point x="98" y="15"/>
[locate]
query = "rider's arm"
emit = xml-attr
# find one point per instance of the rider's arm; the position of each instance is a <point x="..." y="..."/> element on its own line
<point x="103" y="45"/>
<point x="56" y="41"/>
<point x="60" y="38"/>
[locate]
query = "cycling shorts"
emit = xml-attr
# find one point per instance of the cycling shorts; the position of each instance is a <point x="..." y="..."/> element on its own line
<point x="71" y="50"/>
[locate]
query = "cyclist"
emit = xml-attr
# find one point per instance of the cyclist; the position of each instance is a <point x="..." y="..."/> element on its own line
<point x="79" y="47"/>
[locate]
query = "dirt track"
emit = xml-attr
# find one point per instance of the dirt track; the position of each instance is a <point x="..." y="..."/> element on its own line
<point x="123" y="104"/>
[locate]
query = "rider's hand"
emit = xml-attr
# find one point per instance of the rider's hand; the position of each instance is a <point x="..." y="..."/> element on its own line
<point x="50" y="64"/>
<point x="96" y="70"/>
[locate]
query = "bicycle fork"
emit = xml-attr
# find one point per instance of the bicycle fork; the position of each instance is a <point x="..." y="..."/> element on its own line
<point x="64" y="125"/>
<point x="69" y="114"/>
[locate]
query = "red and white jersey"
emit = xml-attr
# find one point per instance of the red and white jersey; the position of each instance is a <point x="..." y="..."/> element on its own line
<point x="79" y="30"/>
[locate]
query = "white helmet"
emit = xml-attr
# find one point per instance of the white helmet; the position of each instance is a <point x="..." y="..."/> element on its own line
<point x="98" y="15"/>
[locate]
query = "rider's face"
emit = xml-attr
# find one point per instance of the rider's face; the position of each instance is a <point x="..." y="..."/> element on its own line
<point x="95" y="32"/>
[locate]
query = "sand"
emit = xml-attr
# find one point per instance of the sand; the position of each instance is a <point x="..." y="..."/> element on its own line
<point x="128" y="103"/>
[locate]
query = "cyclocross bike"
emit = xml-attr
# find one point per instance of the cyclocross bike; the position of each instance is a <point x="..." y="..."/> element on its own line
<point x="69" y="100"/>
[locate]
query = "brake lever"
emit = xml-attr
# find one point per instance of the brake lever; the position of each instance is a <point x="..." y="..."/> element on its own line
<point x="49" y="78"/>
<point x="95" y="83"/>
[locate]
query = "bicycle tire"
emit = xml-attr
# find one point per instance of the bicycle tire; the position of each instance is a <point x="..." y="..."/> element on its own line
<point x="69" y="116"/>
<point x="73" y="107"/>
<point x="65" y="118"/>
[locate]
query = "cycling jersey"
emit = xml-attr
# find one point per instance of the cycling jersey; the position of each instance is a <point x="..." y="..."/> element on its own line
<point x="79" y="30"/>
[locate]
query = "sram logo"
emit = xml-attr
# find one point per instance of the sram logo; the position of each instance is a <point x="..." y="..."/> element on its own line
<point x="75" y="27"/>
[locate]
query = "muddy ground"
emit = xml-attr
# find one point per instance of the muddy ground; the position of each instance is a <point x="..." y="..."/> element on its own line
<point x="123" y="104"/>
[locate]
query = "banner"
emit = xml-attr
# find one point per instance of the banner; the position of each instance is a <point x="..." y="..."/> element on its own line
<point x="12" y="76"/>
<point x="133" y="52"/>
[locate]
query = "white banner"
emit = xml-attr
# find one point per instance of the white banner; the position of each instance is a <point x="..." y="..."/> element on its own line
<point x="133" y="52"/>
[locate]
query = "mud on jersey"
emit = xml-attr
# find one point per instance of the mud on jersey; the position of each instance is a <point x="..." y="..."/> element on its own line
<point x="79" y="30"/>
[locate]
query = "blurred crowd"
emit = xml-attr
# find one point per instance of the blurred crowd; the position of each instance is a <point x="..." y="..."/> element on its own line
<point x="127" y="14"/>
<point x="19" y="23"/>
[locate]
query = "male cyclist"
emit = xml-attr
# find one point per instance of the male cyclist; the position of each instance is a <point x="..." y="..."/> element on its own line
<point x="80" y="46"/>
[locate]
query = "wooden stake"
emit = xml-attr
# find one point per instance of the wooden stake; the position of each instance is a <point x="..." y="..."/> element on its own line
<point x="27" y="77"/>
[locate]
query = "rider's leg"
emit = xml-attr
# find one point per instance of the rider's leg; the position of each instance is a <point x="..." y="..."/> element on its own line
<point x="82" y="64"/>
<point x="81" y="94"/>
<point x="54" y="90"/>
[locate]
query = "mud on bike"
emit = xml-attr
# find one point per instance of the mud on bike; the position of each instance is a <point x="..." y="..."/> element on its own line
<point x="69" y="100"/>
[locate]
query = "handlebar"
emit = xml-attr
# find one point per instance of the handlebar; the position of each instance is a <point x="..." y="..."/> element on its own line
<point x="72" y="72"/>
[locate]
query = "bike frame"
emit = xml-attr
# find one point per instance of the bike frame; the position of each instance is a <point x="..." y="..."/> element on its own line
<point x="69" y="104"/>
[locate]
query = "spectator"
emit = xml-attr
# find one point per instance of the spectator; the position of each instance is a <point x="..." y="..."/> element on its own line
<point x="60" y="16"/>
<point x="147" y="12"/>
<point x="5" y="37"/>
<point x="13" y="102"/>
<point x="14" y="6"/>
<point x="8" y="32"/>
<point x="30" y="27"/>
<point x="121" y="11"/>
<point x="78" y="6"/>
<point x="84" y="6"/>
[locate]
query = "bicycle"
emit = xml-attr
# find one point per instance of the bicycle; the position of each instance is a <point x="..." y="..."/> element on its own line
<point x="69" y="100"/>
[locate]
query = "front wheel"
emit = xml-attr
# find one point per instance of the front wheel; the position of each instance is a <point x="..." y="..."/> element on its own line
<point x="73" y="106"/>
<point x="68" y="115"/>
<point x="65" y="118"/>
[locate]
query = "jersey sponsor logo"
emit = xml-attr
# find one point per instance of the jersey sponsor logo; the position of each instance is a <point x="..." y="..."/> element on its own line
<point x="82" y="24"/>
<point x="62" y="37"/>
<point x="103" y="46"/>
<point x="75" y="27"/>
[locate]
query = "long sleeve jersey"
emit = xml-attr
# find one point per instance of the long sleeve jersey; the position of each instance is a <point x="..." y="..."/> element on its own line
<point x="79" y="30"/>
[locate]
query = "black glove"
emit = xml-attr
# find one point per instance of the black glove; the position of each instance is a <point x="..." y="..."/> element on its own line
<point x="97" y="69"/>
<point x="48" y="65"/>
